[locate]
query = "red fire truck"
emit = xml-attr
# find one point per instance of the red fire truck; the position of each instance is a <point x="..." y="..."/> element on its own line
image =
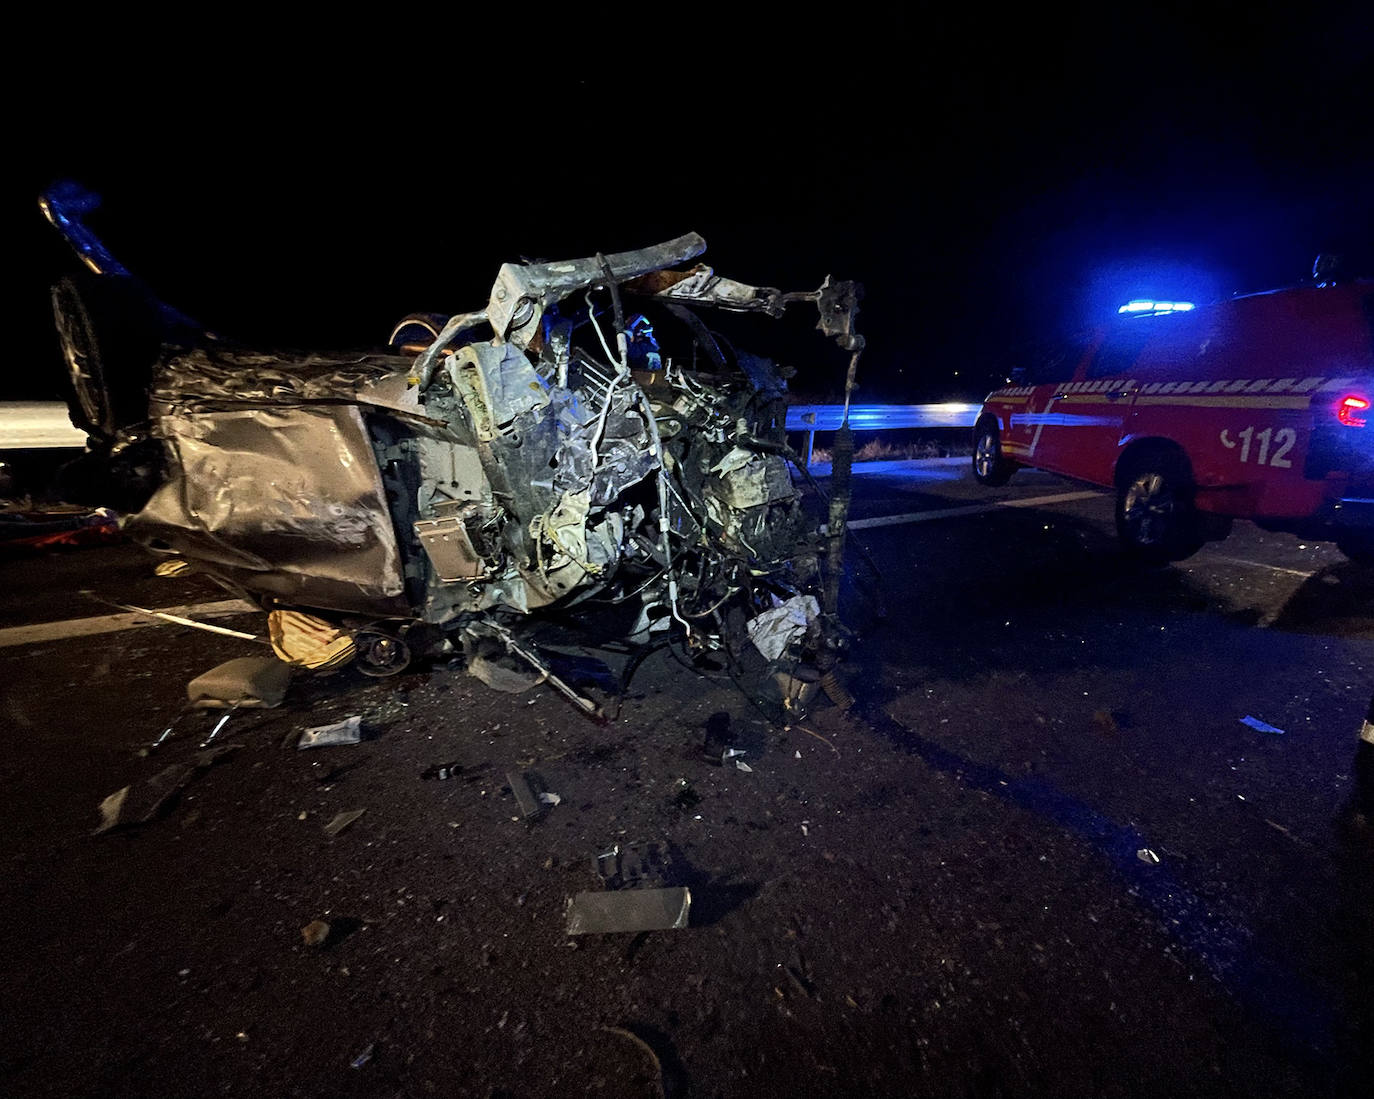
<point x="1259" y="407"/>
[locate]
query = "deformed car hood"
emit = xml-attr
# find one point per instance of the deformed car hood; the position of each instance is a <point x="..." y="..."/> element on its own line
<point x="581" y="435"/>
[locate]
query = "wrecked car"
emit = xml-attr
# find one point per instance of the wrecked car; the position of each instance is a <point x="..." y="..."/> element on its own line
<point x="582" y="436"/>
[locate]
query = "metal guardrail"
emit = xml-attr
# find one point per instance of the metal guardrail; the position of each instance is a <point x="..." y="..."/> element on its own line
<point x="37" y="425"/>
<point x="44" y="424"/>
<point x="812" y="418"/>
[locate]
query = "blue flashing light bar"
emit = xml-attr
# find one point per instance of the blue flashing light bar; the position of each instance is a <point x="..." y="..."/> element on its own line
<point x="1150" y="308"/>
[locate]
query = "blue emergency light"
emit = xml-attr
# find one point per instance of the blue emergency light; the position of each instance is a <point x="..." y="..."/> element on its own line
<point x="1144" y="307"/>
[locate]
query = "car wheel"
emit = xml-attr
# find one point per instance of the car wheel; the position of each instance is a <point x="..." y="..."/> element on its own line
<point x="380" y="654"/>
<point x="1358" y="546"/>
<point x="989" y="467"/>
<point x="1155" y="517"/>
<point x="81" y="356"/>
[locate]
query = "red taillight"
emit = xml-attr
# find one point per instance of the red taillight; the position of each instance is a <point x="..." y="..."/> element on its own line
<point x="1350" y="408"/>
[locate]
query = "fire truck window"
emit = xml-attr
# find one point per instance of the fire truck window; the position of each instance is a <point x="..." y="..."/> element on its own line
<point x="1120" y="349"/>
<point x="1057" y="365"/>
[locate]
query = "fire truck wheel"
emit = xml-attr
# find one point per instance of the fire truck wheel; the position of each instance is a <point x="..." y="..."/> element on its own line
<point x="1358" y="546"/>
<point x="1155" y="517"/>
<point x="989" y="467"/>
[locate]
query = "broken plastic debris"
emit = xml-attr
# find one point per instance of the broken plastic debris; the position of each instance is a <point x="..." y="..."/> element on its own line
<point x="249" y="681"/>
<point x="629" y="910"/>
<point x="1147" y="856"/>
<point x="173" y="566"/>
<point x="546" y="798"/>
<point x="740" y="765"/>
<point x="1261" y="726"/>
<point x="729" y="754"/>
<point x="364" y="1057"/>
<point x="111" y="809"/>
<point x="145" y="801"/>
<point x="348" y="731"/>
<point x="315" y="932"/>
<point x="342" y="821"/>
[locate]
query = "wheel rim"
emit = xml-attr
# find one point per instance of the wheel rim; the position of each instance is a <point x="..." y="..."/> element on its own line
<point x="985" y="454"/>
<point x="1149" y="509"/>
<point x="379" y="654"/>
<point x="81" y="359"/>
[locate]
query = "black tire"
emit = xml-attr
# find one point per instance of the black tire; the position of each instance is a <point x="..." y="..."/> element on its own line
<point x="91" y="411"/>
<point x="111" y="335"/>
<point x="1156" y="520"/>
<point x="989" y="467"/>
<point x="1358" y="545"/>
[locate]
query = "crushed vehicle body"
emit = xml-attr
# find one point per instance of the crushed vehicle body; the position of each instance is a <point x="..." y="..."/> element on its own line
<point x="583" y="435"/>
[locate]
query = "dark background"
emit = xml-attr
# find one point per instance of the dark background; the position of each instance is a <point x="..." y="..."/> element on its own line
<point x="995" y="181"/>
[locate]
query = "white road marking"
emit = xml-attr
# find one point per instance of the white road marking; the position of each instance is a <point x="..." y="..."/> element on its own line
<point x="972" y="509"/>
<point x="1256" y="565"/>
<point x="112" y="623"/>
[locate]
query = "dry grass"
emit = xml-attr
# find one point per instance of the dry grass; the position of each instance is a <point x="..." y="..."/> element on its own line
<point x="878" y="450"/>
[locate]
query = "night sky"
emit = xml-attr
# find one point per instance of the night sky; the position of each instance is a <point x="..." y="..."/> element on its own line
<point x="993" y="182"/>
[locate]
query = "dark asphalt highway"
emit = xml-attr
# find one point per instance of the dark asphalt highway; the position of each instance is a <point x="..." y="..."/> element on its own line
<point x="1042" y="855"/>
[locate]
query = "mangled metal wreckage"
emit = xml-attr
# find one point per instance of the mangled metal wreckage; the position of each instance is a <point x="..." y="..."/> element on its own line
<point x="584" y="435"/>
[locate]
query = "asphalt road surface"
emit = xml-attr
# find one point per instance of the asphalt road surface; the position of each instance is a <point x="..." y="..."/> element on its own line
<point x="1042" y="854"/>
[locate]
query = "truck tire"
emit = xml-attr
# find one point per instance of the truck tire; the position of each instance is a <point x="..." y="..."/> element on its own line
<point x="1156" y="520"/>
<point x="989" y="467"/>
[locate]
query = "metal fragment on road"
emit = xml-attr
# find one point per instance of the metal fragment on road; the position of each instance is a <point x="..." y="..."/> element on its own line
<point x="342" y="821"/>
<point x="1261" y="726"/>
<point x="348" y="731"/>
<point x="1147" y="856"/>
<point x="525" y="796"/>
<point x="515" y="648"/>
<point x="629" y="910"/>
<point x="219" y="726"/>
<point x="177" y="620"/>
